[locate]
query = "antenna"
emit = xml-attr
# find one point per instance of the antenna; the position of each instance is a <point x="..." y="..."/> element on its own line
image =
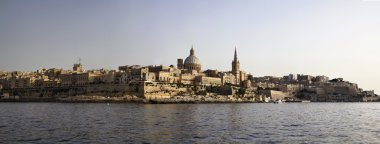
<point x="80" y="60"/>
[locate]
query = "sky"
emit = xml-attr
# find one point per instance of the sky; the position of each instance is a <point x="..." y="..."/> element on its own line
<point x="336" y="38"/>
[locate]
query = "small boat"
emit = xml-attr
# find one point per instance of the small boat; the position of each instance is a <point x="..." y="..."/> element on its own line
<point x="279" y="102"/>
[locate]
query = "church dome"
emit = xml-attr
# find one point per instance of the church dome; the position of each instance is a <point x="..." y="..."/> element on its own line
<point x="192" y="60"/>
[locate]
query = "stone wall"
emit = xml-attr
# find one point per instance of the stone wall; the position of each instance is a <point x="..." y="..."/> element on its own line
<point x="142" y="89"/>
<point x="95" y="89"/>
<point x="155" y="90"/>
<point x="203" y="80"/>
<point x="274" y="95"/>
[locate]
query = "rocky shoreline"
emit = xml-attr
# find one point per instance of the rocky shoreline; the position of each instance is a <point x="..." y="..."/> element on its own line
<point x="135" y="99"/>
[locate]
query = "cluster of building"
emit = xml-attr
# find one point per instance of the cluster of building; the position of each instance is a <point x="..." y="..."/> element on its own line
<point x="314" y="88"/>
<point x="190" y="73"/>
<point x="187" y="72"/>
<point x="44" y="78"/>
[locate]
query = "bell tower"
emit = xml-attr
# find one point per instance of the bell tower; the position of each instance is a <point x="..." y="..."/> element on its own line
<point x="236" y="68"/>
<point x="78" y="67"/>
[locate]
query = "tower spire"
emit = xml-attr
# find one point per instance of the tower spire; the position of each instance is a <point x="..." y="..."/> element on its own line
<point x="235" y="57"/>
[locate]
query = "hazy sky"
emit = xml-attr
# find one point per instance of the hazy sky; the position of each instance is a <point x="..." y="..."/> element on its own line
<point x="337" y="38"/>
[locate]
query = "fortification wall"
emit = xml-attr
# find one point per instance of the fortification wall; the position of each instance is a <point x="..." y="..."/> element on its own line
<point x="165" y="90"/>
<point x="95" y="89"/>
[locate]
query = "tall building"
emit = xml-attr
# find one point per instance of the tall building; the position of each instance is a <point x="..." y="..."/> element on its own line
<point x="236" y="68"/>
<point x="180" y="63"/>
<point x="78" y="67"/>
<point x="192" y="62"/>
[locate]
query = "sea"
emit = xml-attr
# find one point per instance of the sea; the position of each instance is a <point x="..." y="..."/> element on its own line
<point x="189" y="123"/>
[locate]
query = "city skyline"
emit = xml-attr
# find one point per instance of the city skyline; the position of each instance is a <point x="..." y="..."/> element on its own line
<point x="332" y="38"/>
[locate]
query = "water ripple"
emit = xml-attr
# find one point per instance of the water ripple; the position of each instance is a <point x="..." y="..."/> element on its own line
<point x="194" y="123"/>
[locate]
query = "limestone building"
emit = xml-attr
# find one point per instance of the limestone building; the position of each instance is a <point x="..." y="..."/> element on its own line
<point x="78" y="68"/>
